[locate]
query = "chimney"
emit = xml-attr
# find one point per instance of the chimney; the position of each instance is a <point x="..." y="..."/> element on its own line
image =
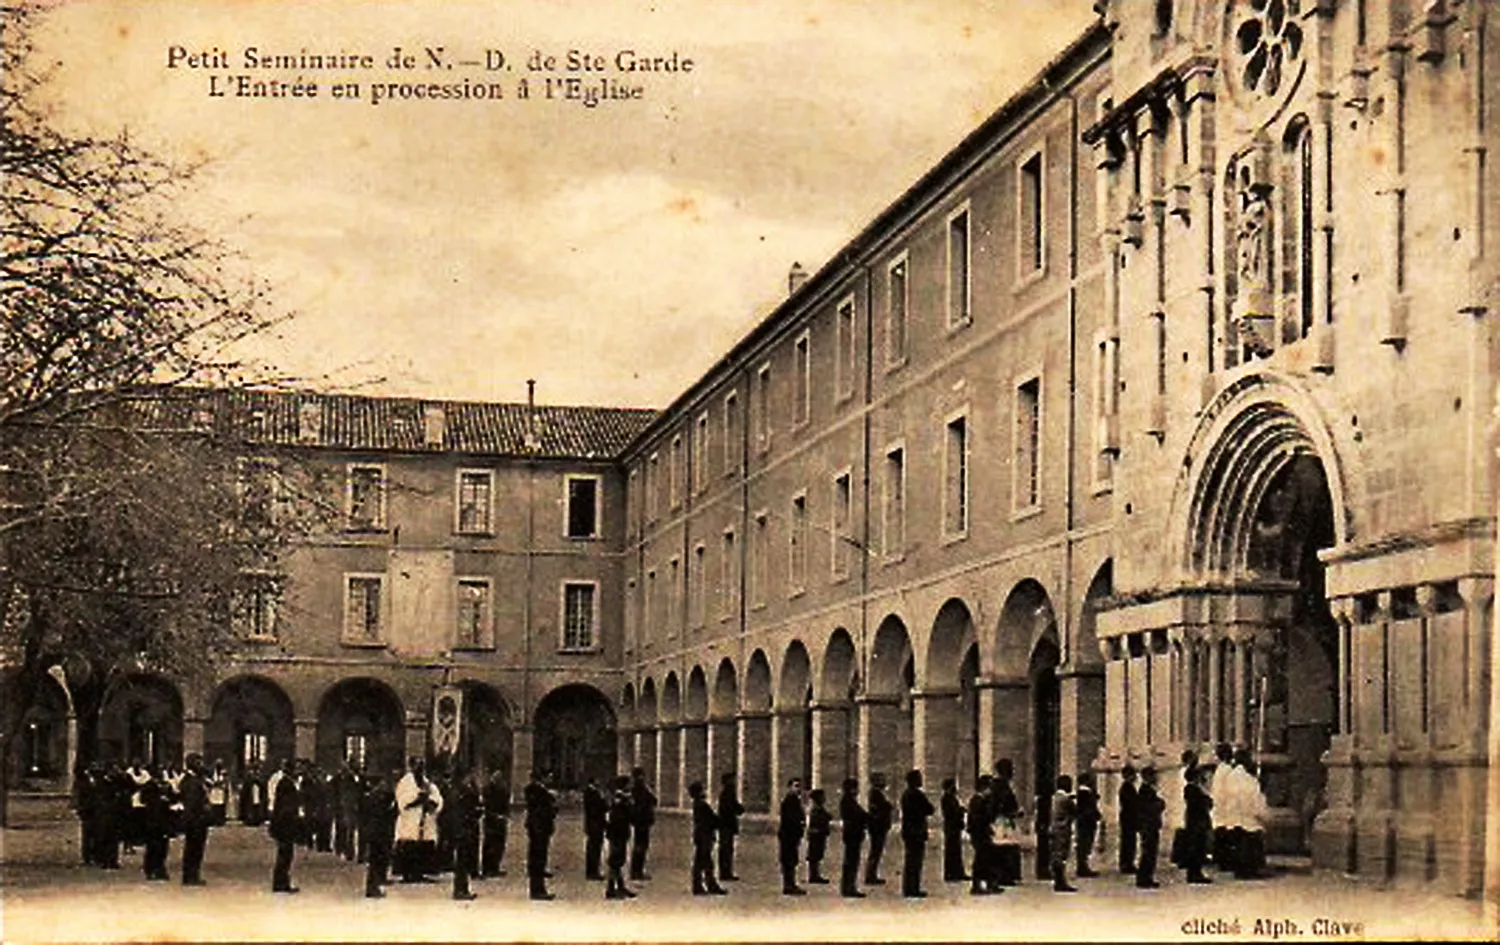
<point x="309" y="422"/>
<point x="533" y="443"/>
<point x="795" y="277"/>
<point x="434" y="421"/>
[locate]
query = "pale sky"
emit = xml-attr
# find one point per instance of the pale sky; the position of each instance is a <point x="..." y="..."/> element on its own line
<point x="456" y="248"/>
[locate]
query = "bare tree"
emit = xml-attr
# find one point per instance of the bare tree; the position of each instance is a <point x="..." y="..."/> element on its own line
<point x="123" y="536"/>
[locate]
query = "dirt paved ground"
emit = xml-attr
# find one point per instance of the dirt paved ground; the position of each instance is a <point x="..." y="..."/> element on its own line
<point x="49" y="896"/>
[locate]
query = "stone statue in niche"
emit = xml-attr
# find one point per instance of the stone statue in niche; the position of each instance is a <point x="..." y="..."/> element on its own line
<point x="1250" y="240"/>
<point x="1253" y="312"/>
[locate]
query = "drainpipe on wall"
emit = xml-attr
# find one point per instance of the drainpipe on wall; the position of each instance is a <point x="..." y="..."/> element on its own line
<point x="1492" y="781"/>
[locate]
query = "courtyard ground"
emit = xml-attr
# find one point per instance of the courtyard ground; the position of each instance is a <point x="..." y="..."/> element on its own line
<point x="49" y="896"/>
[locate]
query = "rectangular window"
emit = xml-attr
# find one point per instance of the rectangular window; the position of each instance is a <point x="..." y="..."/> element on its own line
<point x="759" y="554"/>
<point x="255" y="747"/>
<point x="797" y="545"/>
<point x="633" y="502"/>
<point x="578" y="615"/>
<point x="802" y="378"/>
<point x="1031" y="212"/>
<point x="259" y="489"/>
<point x="474" y="508"/>
<point x="674" y="596"/>
<point x="674" y="474"/>
<point x="583" y="506"/>
<point x="1028" y="444"/>
<point x="698" y="587"/>
<point x="356" y="750"/>
<point x="958" y="269"/>
<point x="362" y="609"/>
<point x="893" y="529"/>
<point x="700" y="454"/>
<point x="1105" y="444"/>
<point x="474" y="613"/>
<point x="366" y="498"/>
<point x="842" y="515"/>
<point x="729" y="578"/>
<point x="653" y="483"/>
<point x="763" y="407"/>
<point x="847" y="361"/>
<point x="956" y="478"/>
<point x="732" y="440"/>
<point x="649" y="605"/>
<point x="255" y="607"/>
<point x="896" y="299"/>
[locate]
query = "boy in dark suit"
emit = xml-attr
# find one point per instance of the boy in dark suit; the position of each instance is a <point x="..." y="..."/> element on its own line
<point x="705" y="832"/>
<point x="789" y="831"/>
<point x="855" y="823"/>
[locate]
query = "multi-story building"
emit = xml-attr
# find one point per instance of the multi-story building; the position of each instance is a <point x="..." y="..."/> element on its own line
<point x="1155" y="415"/>
<point x="456" y="593"/>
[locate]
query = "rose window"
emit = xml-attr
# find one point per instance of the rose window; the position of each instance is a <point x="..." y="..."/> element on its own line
<point x="1269" y="41"/>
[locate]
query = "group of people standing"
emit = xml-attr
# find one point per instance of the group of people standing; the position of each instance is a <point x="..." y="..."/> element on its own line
<point x="125" y="807"/>
<point x="809" y="818"/>
<point x="408" y="823"/>
<point x="1224" y="817"/>
<point x="415" y="825"/>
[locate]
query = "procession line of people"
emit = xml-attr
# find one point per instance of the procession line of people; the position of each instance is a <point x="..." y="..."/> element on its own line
<point x="413" y="826"/>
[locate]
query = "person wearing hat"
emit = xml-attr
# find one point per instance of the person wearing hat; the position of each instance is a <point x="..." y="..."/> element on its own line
<point x="595" y="818"/>
<point x="880" y="813"/>
<point x="730" y="811"/>
<point x="467" y="812"/>
<point x="953" y="833"/>
<point x="1088" y="819"/>
<point x="915" y="809"/>
<point x="1005" y="818"/>
<point x="1060" y="823"/>
<point x="789" y="830"/>
<point x="377" y="830"/>
<point x="855" y="822"/>
<point x="984" y="877"/>
<point x="705" y="832"/>
<point x="1149" y="808"/>
<point x="642" y="817"/>
<point x="286" y="825"/>
<point x="1198" y="825"/>
<point x="541" y="821"/>
<point x="819" y="828"/>
<point x="197" y="815"/>
<point x="617" y="831"/>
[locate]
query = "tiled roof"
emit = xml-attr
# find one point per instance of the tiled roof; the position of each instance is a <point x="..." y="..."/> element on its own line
<point x="355" y="422"/>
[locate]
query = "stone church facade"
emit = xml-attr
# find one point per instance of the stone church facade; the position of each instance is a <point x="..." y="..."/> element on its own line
<point x="1155" y="415"/>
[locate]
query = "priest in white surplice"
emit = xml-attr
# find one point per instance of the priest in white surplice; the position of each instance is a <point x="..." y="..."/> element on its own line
<point x="418" y="801"/>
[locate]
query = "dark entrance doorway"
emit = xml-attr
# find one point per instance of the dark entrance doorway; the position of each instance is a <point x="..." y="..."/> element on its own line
<point x="485" y="740"/>
<point x="1046" y="716"/>
<point x="575" y="736"/>
<point x="1292" y="523"/>
<point x="361" y="721"/>
<point x="251" y="725"/>
<point x="141" y="720"/>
